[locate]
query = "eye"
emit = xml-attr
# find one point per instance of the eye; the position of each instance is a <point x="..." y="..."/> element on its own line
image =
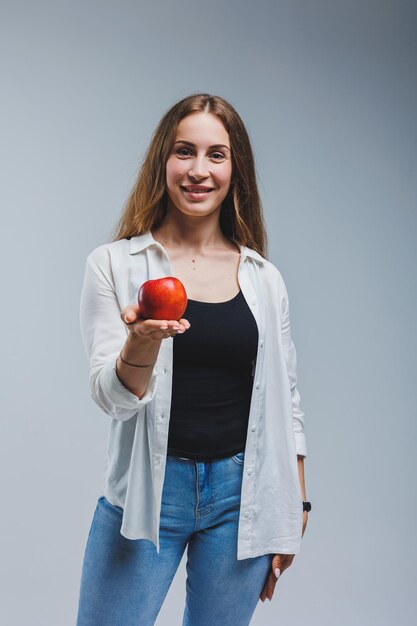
<point x="217" y="156"/>
<point x="181" y="151"/>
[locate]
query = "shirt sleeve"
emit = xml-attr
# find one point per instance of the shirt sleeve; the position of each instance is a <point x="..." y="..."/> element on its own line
<point x="104" y="334"/>
<point x="291" y="361"/>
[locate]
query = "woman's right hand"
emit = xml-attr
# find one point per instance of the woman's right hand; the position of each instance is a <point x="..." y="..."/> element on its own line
<point x="155" y="330"/>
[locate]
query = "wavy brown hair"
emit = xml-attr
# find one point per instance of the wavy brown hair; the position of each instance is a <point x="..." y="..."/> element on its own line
<point x="241" y="215"/>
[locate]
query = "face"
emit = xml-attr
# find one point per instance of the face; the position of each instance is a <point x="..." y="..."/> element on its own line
<point x="199" y="167"/>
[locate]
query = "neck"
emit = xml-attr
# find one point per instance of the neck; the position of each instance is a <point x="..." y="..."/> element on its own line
<point x="193" y="233"/>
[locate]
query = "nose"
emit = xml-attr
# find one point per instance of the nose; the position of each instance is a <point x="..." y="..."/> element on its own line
<point x="198" y="168"/>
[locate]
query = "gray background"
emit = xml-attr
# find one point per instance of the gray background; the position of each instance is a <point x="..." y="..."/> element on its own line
<point x="327" y="90"/>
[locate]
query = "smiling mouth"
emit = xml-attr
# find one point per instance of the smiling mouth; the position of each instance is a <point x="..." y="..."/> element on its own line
<point x="196" y="189"/>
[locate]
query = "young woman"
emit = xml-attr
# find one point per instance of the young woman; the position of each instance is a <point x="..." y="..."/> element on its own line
<point x="206" y="442"/>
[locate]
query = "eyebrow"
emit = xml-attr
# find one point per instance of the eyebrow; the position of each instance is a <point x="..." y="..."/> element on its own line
<point x="188" y="143"/>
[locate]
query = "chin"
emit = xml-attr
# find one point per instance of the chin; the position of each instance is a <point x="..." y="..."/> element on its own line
<point x="196" y="209"/>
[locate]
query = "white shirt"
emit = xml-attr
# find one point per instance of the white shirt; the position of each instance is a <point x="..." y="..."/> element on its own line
<point x="271" y="512"/>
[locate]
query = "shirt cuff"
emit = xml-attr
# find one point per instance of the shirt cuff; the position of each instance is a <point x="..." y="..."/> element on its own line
<point x="300" y="444"/>
<point x="117" y="395"/>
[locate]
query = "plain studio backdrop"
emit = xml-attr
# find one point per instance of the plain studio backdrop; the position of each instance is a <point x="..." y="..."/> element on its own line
<point x="327" y="90"/>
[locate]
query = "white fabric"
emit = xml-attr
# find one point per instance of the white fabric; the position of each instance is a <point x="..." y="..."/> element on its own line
<point x="271" y="499"/>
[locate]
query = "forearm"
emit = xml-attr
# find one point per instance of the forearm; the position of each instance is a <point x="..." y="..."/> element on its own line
<point x="138" y="351"/>
<point x="300" y="462"/>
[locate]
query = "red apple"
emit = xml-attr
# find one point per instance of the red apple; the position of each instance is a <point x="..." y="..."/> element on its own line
<point x="162" y="299"/>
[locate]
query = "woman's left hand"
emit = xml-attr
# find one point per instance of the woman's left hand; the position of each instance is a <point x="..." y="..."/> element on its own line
<point x="279" y="562"/>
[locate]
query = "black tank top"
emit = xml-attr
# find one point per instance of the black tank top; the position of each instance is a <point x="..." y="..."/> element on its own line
<point x="213" y="364"/>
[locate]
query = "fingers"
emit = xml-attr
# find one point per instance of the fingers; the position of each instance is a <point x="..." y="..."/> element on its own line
<point x="152" y="329"/>
<point x="268" y="590"/>
<point x="172" y="328"/>
<point x="279" y="564"/>
<point x="158" y="329"/>
<point x="185" y="323"/>
<point x="130" y="313"/>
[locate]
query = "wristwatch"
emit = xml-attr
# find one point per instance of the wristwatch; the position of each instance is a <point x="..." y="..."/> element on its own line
<point x="306" y="506"/>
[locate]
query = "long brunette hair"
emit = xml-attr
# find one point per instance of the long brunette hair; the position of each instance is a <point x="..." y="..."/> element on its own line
<point x="241" y="215"/>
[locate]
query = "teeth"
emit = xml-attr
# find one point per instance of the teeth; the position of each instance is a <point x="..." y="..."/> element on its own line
<point x="197" y="190"/>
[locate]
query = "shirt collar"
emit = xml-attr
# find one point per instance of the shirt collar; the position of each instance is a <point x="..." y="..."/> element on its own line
<point x="141" y="242"/>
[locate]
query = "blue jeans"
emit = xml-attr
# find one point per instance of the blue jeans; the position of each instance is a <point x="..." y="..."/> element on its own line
<point x="124" y="582"/>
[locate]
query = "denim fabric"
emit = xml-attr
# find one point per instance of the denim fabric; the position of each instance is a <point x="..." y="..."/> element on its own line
<point x="124" y="582"/>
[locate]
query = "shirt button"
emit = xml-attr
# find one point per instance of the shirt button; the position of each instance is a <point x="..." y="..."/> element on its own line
<point x="253" y="428"/>
<point x="262" y="343"/>
<point x="162" y="416"/>
<point x="246" y="514"/>
<point x="157" y="461"/>
<point x="258" y="385"/>
<point x="253" y="302"/>
<point x="249" y="472"/>
<point x="165" y="370"/>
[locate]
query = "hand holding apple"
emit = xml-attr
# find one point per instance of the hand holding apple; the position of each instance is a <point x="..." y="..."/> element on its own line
<point x="165" y="295"/>
<point x="154" y="330"/>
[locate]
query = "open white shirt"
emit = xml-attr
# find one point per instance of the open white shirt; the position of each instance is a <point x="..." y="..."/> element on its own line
<point x="271" y="511"/>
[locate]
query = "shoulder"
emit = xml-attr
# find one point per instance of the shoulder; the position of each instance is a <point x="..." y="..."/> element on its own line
<point x="103" y="255"/>
<point x="276" y="282"/>
<point x="276" y="275"/>
<point x="269" y="269"/>
<point x="104" y="261"/>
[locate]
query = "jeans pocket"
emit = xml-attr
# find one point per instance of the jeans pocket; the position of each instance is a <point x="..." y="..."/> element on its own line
<point x="103" y="502"/>
<point x="239" y="458"/>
